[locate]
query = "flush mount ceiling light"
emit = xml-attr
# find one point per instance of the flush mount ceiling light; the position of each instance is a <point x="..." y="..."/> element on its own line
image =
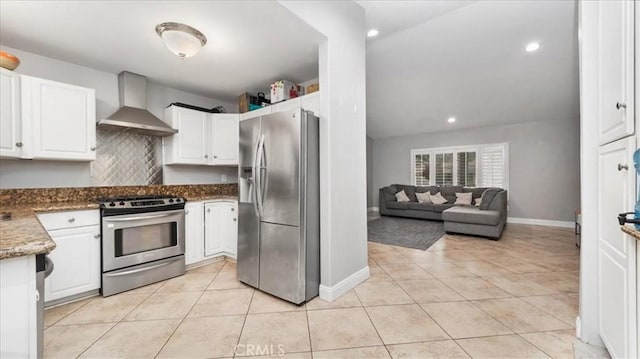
<point x="181" y="39"/>
<point x="372" y="33"/>
<point x="532" y="46"/>
<point x="451" y="119"/>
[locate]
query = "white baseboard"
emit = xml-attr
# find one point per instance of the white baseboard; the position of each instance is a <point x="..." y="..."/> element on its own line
<point x="373" y="209"/>
<point x="332" y="293"/>
<point x="541" y="222"/>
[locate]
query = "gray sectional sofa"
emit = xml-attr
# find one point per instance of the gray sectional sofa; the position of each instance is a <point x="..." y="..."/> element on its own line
<point x="487" y="220"/>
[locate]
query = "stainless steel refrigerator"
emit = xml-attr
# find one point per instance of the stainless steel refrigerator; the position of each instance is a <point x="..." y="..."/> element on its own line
<point x="279" y="205"/>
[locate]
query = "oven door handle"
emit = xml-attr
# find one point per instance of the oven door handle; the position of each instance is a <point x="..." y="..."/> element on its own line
<point x="138" y="218"/>
<point x="117" y="274"/>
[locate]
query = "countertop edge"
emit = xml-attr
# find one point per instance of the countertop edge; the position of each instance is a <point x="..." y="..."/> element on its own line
<point x="631" y="231"/>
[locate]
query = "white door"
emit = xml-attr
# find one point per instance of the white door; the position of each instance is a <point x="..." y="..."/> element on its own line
<point x="194" y="232"/>
<point x="213" y="228"/>
<point x="615" y="70"/>
<point x="230" y="223"/>
<point x="617" y="251"/>
<point x="76" y="261"/>
<point x="191" y="138"/>
<point x="63" y="117"/>
<point x="10" y="134"/>
<point x="225" y="139"/>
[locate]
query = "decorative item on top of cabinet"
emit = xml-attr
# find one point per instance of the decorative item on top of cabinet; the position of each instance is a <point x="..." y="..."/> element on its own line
<point x="202" y="139"/>
<point x="47" y="119"/>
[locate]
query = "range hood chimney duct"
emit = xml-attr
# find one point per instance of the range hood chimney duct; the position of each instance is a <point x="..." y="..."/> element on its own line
<point x="133" y="115"/>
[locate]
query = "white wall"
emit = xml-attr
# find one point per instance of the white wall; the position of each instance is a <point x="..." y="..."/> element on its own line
<point x="343" y="199"/>
<point x="544" y="163"/>
<point x="25" y="173"/>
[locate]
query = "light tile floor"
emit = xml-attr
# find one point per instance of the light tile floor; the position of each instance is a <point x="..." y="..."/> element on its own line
<point x="463" y="297"/>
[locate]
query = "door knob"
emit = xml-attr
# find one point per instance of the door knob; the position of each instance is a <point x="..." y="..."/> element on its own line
<point x="18" y="144"/>
<point x="622" y="167"/>
<point x="620" y="105"/>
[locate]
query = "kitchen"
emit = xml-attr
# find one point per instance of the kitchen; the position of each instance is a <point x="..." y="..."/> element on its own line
<point x="67" y="185"/>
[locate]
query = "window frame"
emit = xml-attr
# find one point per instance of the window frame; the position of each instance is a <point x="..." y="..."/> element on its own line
<point x="454" y="150"/>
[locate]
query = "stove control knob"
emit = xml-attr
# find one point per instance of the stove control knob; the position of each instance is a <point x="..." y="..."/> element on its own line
<point x="122" y="203"/>
<point x="178" y="200"/>
<point x="112" y="204"/>
<point x="170" y="200"/>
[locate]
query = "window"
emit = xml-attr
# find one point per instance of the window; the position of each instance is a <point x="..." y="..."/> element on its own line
<point x="469" y="166"/>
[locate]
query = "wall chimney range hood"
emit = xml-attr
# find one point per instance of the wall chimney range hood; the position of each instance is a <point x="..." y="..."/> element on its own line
<point x="133" y="115"/>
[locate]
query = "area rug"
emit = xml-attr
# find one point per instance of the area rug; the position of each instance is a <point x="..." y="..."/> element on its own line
<point x="405" y="232"/>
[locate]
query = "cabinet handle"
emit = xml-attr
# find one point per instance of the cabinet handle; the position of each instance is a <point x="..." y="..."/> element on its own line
<point x="214" y="156"/>
<point x="235" y="219"/>
<point x="71" y="220"/>
<point x="206" y="156"/>
<point x="186" y="211"/>
<point x="623" y="167"/>
<point x="621" y="105"/>
<point x="93" y="148"/>
<point x="18" y="144"/>
<point x="232" y="209"/>
<point x="97" y="236"/>
<point x="208" y="210"/>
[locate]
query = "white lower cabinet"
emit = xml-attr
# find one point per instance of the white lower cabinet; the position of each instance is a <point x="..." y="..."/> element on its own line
<point x="76" y="261"/>
<point x="194" y="232"/>
<point x="211" y="230"/>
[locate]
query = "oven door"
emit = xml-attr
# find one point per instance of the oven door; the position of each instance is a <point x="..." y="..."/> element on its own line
<point x="132" y="239"/>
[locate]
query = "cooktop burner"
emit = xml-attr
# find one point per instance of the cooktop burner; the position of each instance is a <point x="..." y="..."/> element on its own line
<point x="146" y="201"/>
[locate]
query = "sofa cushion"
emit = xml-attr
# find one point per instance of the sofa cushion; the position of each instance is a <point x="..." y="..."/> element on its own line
<point x="402" y="197"/>
<point x="471" y="215"/>
<point x="430" y="189"/>
<point x="441" y="207"/>
<point x="487" y="197"/>
<point x="389" y="193"/>
<point x="410" y="191"/>
<point x="477" y="191"/>
<point x="398" y="205"/>
<point x="464" y="198"/>
<point x="421" y="206"/>
<point x="449" y="192"/>
<point x="438" y="199"/>
<point x="423" y="197"/>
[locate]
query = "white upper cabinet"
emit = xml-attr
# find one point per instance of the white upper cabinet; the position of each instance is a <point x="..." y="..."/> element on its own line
<point x="189" y="145"/>
<point x="62" y="118"/>
<point x="10" y="133"/>
<point x="202" y="139"/>
<point x="224" y="139"/>
<point x="616" y="70"/>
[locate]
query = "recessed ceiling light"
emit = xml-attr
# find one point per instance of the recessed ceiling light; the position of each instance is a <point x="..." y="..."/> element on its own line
<point x="372" y="33"/>
<point x="532" y="46"/>
<point x="451" y="119"/>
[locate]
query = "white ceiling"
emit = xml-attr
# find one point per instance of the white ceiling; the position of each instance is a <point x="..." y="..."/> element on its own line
<point x="470" y="63"/>
<point x="250" y="43"/>
<point x="390" y="16"/>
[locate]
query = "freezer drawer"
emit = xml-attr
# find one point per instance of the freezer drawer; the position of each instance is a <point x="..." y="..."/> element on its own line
<point x="282" y="262"/>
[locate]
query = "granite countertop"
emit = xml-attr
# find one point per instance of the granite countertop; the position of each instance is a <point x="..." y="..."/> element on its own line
<point x="197" y="198"/>
<point x="23" y="234"/>
<point x="632" y="231"/>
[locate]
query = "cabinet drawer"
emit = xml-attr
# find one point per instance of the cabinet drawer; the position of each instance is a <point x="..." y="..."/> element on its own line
<point x="69" y="219"/>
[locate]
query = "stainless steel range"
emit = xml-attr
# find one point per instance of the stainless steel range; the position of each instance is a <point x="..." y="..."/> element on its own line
<point x="142" y="241"/>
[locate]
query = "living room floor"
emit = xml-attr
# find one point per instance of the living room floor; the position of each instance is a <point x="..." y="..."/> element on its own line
<point x="463" y="297"/>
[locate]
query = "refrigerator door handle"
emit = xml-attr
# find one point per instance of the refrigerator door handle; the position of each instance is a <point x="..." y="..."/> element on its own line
<point x="256" y="178"/>
<point x="264" y="166"/>
<point x="258" y="174"/>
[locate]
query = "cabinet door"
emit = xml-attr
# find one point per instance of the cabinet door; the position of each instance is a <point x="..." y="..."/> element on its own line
<point x="230" y="239"/>
<point x="191" y="140"/>
<point x="63" y="119"/>
<point x="616" y="251"/>
<point x="615" y="70"/>
<point x="224" y="139"/>
<point x="311" y="103"/>
<point x="10" y="131"/>
<point x="213" y="229"/>
<point x="76" y="261"/>
<point x="194" y="232"/>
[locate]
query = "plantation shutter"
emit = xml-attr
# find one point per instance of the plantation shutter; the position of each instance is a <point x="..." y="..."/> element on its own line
<point x="492" y="167"/>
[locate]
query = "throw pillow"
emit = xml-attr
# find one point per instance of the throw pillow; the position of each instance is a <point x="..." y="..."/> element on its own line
<point x="478" y="201"/>
<point x="488" y="196"/>
<point x="423" y="197"/>
<point x="437" y="198"/>
<point x="464" y="198"/>
<point x="402" y="197"/>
